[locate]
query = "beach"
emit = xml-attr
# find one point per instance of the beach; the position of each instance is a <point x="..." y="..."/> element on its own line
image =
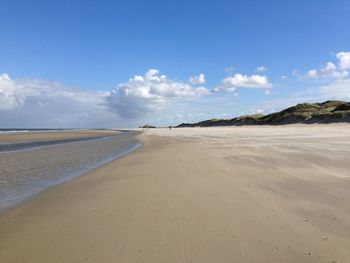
<point x="231" y="194"/>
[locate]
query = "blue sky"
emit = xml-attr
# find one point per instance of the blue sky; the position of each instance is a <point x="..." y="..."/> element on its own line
<point x="69" y="63"/>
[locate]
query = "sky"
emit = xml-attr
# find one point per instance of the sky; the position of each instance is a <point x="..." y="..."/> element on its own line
<point x="103" y="64"/>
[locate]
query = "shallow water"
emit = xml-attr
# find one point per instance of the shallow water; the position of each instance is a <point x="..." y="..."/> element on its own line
<point x="31" y="170"/>
<point x="29" y="145"/>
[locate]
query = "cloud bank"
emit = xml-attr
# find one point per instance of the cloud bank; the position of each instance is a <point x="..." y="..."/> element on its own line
<point x="39" y="103"/>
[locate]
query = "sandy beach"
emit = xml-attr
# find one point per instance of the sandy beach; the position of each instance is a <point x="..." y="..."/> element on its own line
<point x="241" y="194"/>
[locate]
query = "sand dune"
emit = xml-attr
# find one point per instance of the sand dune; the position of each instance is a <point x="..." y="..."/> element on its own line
<point x="243" y="194"/>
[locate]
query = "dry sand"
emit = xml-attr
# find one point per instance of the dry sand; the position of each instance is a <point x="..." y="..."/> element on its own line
<point x="242" y="194"/>
<point x="46" y="136"/>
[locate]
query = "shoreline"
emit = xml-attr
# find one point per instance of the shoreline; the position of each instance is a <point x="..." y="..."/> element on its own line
<point x="43" y="164"/>
<point x="239" y="196"/>
<point x="67" y="179"/>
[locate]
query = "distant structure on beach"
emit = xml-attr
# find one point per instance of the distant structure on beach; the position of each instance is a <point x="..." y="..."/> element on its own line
<point x="147" y="127"/>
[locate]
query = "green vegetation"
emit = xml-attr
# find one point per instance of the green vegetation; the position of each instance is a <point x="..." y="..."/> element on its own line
<point x="326" y="112"/>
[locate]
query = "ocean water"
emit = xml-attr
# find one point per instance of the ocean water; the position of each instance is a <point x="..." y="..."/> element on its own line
<point x="29" y="168"/>
<point x="14" y="130"/>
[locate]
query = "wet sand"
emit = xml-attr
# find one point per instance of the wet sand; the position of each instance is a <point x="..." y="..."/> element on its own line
<point x="242" y="194"/>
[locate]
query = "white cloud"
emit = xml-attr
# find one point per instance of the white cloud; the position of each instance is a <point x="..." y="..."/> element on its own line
<point x="197" y="80"/>
<point x="261" y="69"/>
<point x="344" y="60"/>
<point x="267" y="92"/>
<point x="328" y="71"/>
<point x="312" y="74"/>
<point x="148" y="93"/>
<point x="230" y="84"/>
<point x="11" y="96"/>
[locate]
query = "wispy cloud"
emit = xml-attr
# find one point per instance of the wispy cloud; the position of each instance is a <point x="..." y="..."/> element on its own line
<point x="339" y="89"/>
<point x="261" y="69"/>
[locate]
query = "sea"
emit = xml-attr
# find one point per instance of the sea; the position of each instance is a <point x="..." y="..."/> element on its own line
<point x="25" y="130"/>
